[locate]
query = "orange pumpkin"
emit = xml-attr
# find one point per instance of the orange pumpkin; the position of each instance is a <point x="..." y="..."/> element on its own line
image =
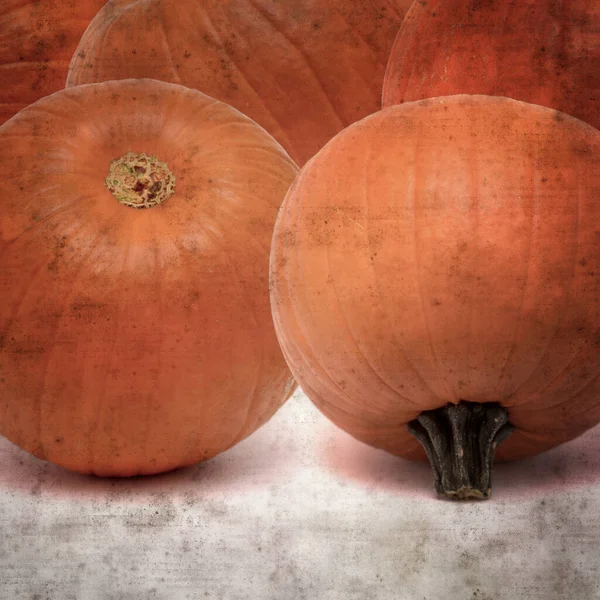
<point x="444" y="255"/>
<point x="540" y="51"/>
<point x="303" y="69"/>
<point x="135" y="325"/>
<point x="37" y="41"/>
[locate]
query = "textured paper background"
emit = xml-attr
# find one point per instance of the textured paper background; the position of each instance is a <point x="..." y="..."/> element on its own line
<point x="301" y="511"/>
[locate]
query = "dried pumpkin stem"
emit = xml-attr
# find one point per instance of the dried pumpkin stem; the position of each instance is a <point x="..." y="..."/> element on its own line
<point x="460" y="441"/>
<point x="140" y="181"/>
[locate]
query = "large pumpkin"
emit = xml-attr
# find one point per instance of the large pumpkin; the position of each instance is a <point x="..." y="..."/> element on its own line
<point x="37" y="41"/>
<point x="540" y="51"/>
<point x="135" y="328"/>
<point x="447" y="252"/>
<point x="303" y="69"/>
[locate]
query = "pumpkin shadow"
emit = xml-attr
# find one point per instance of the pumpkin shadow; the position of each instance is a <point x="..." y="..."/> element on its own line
<point x="258" y="461"/>
<point x="349" y="459"/>
<point x="573" y="465"/>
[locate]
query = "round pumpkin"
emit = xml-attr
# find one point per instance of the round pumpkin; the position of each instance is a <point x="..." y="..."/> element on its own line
<point x="539" y="51"/>
<point x="303" y="69"/>
<point x="436" y="266"/>
<point x="37" y="41"/>
<point x="135" y="326"/>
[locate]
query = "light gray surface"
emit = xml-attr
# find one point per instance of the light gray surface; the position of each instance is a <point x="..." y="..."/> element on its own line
<point x="301" y="511"/>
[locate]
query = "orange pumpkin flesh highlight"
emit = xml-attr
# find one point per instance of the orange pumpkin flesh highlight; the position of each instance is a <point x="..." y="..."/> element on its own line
<point x="37" y="41"/>
<point x="442" y="251"/>
<point x="134" y="341"/>
<point x="541" y="51"/>
<point x="303" y="69"/>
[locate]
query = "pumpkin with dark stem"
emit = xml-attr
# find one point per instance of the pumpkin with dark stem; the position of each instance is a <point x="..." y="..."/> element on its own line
<point x="435" y="279"/>
<point x="135" y="326"/>
<point x="37" y="41"/>
<point x="539" y="51"/>
<point x="303" y="69"/>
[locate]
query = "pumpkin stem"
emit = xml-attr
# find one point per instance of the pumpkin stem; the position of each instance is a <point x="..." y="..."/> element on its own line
<point x="460" y="441"/>
<point x="140" y="181"/>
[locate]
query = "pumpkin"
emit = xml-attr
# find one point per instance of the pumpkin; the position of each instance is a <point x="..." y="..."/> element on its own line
<point x="135" y="326"/>
<point x="538" y="51"/>
<point x="37" y="41"/>
<point x="303" y="69"/>
<point x="435" y="278"/>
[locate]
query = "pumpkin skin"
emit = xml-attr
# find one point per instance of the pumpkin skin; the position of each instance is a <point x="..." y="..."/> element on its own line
<point x="37" y="41"/>
<point x="446" y="250"/>
<point x="303" y="69"/>
<point x="539" y="51"/>
<point x="135" y="341"/>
